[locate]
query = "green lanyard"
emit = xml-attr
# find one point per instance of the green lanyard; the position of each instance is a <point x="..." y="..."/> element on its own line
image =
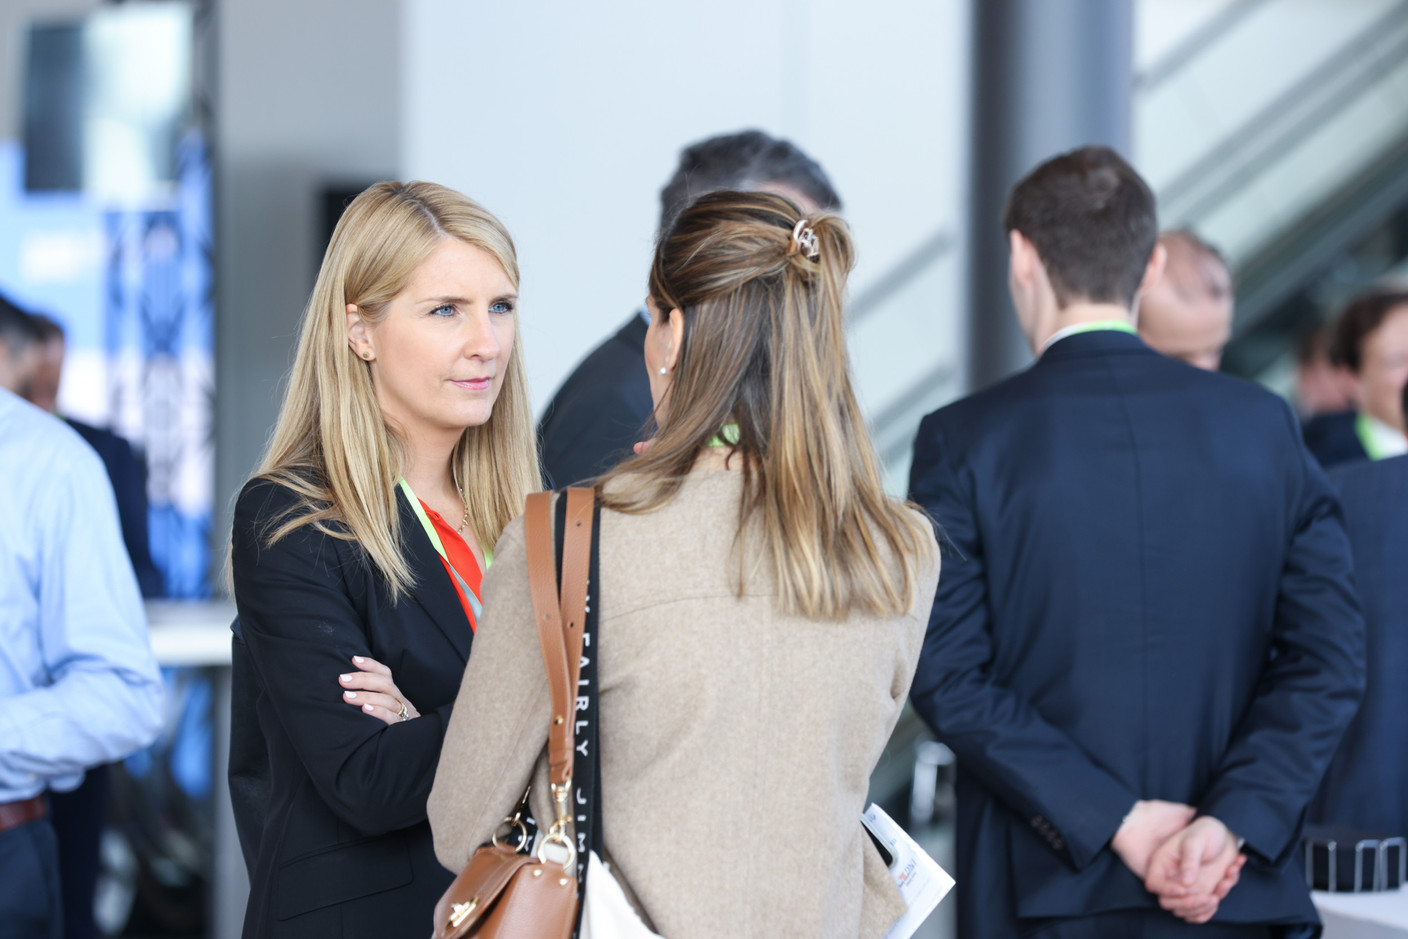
<point x="430" y="531"/>
<point x="425" y="522"/>
<point x="728" y="436"/>
<point x="1367" y="438"/>
<point x="1119" y="326"/>
<point x="434" y="537"/>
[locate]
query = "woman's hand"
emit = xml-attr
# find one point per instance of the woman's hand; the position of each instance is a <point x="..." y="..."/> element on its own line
<point x="372" y="690"/>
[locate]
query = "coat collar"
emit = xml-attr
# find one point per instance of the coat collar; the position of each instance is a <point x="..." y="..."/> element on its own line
<point x="1095" y="342"/>
<point x="433" y="589"/>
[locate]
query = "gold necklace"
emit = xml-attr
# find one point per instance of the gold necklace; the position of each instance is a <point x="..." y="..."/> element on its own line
<point x="465" y="519"/>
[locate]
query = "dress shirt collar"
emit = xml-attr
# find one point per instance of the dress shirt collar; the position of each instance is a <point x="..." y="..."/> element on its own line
<point x="1115" y="325"/>
<point x="1379" y="440"/>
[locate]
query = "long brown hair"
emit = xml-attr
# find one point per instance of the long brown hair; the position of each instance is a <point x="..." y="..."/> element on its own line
<point x="331" y="445"/>
<point x="764" y="348"/>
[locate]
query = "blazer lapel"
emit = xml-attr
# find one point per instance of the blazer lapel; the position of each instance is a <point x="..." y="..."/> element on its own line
<point x="433" y="591"/>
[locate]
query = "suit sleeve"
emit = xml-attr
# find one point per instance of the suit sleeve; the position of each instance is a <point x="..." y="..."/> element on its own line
<point x="489" y="758"/>
<point x="1037" y="771"/>
<point x="302" y="629"/>
<point x="1310" y="688"/>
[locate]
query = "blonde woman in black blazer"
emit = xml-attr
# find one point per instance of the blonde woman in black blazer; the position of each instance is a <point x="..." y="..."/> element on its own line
<point x="403" y="448"/>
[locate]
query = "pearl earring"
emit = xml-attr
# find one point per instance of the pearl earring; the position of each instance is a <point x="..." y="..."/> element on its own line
<point x="367" y="356"/>
<point x="664" y="370"/>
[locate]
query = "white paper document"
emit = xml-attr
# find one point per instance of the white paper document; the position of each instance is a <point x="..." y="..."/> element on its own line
<point x="922" y="882"/>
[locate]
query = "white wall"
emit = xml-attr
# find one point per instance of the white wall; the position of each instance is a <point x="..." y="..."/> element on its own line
<point x="308" y="93"/>
<point x="565" y="119"/>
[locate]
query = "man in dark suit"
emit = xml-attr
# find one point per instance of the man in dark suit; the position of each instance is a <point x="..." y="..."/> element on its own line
<point x="1366" y="787"/>
<point x="126" y="468"/>
<point x="1370" y="341"/>
<point x="1145" y="643"/>
<point x="603" y="407"/>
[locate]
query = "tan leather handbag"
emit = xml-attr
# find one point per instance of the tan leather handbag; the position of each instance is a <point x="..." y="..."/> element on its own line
<point x="505" y="892"/>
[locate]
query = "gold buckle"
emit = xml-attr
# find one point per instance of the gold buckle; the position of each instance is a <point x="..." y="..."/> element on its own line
<point x="461" y="912"/>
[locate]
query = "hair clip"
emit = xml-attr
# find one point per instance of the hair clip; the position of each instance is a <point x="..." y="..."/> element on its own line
<point x="804" y="240"/>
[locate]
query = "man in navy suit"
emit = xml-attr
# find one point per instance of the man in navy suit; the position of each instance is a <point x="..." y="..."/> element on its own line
<point x="1145" y="643"/>
<point x="1370" y="342"/>
<point x="125" y="465"/>
<point x="602" y="408"/>
<point x="1366" y="787"/>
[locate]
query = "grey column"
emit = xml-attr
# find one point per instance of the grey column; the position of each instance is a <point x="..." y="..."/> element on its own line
<point x="1049" y="76"/>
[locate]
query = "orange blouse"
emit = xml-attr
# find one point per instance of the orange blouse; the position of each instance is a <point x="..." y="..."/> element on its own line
<point x="462" y="558"/>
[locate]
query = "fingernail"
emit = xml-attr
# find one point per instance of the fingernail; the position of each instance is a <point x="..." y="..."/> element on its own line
<point x="366" y="707"/>
<point x="350" y="694"/>
<point x="345" y="677"/>
<point x="357" y="659"/>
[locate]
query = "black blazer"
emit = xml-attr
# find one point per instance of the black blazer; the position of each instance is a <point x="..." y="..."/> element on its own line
<point x="600" y="410"/>
<point x="248" y="769"/>
<point x="1146" y="594"/>
<point x="1366" y="787"/>
<point x="344" y="848"/>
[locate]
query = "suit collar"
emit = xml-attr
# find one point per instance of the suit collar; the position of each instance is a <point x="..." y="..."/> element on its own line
<point x="433" y="590"/>
<point x="1096" y="342"/>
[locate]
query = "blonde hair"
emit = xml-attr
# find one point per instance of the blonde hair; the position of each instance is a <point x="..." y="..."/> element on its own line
<point x="764" y="348"/>
<point x="332" y="445"/>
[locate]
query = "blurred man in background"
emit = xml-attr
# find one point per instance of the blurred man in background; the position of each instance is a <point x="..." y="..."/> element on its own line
<point x="602" y="408"/>
<point x="1187" y="315"/>
<point x="1370" y="340"/>
<point x="1366" y="786"/>
<point x="126" y="469"/>
<point x="19" y="348"/>
<point x="1322" y="387"/>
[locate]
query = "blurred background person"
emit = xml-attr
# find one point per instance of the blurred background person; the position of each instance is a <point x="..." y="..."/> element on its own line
<point x="1366" y="786"/>
<point x="19" y="348"/>
<point x="404" y="446"/>
<point x="753" y="667"/>
<point x="78" y="683"/>
<point x="43" y="391"/>
<point x="1370" y="341"/>
<point x="602" y="407"/>
<point x="1187" y="314"/>
<point x="1322" y="385"/>
<point x="126" y="469"/>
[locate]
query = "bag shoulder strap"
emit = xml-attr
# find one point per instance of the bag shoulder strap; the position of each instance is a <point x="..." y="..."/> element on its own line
<point x="559" y="615"/>
<point x="576" y="571"/>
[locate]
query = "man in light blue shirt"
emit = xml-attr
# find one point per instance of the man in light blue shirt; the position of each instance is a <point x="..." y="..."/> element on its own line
<point x="78" y="683"/>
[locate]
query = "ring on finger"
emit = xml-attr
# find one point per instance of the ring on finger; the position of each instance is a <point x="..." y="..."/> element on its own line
<point x="404" y="714"/>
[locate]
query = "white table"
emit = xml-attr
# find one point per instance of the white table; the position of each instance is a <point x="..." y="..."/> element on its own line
<point x="191" y="633"/>
<point x="1364" y="915"/>
<point x="198" y="634"/>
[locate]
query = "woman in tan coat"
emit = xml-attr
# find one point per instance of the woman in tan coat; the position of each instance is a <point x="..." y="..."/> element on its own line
<point x="761" y="607"/>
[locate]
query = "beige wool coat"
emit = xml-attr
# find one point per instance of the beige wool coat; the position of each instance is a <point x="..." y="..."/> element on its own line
<point x="737" y="743"/>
